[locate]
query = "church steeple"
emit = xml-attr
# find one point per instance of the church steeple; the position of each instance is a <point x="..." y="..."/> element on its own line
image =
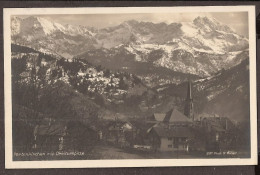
<point x="188" y="109"/>
<point x="189" y="91"/>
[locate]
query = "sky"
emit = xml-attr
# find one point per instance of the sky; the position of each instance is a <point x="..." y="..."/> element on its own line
<point x="238" y="21"/>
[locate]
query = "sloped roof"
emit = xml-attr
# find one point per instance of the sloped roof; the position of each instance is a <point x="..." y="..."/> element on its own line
<point x="159" y="117"/>
<point x="176" y="116"/>
<point x="140" y="125"/>
<point x="173" y="132"/>
<point x="155" y="125"/>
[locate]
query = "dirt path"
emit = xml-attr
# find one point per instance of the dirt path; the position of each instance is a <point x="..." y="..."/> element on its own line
<point x="108" y="152"/>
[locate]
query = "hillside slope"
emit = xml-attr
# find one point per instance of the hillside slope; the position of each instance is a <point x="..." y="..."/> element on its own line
<point x="225" y="94"/>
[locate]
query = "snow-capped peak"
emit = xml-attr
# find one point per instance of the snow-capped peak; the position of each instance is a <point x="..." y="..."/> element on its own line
<point x="209" y="24"/>
<point x="189" y="29"/>
<point x="15" y="27"/>
<point x="38" y="24"/>
<point x="47" y="26"/>
<point x="197" y="47"/>
<point x="207" y="19"/>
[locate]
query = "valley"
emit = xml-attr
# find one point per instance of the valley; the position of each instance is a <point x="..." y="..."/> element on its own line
<point x="86" y="82"/>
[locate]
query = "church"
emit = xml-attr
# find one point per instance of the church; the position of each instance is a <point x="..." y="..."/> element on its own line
<point x="172" y="131"/>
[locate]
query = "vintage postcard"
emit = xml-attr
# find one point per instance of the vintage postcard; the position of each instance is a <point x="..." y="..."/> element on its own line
<point x="130" y="87"/>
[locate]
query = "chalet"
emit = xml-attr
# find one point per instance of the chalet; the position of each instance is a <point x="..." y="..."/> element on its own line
<point x="172" y="131"/>
<point x="140" y="131"/>
<point x="170" y="139"/>
<point x="121" y="133"/>
<point x="81" y="136"/>
<point x="120" y="126"/>
<point x="221" y="132"/>
<point x="49" y="136"/>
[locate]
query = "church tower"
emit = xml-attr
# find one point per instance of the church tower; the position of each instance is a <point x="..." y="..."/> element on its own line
<point x="188" y="108"/>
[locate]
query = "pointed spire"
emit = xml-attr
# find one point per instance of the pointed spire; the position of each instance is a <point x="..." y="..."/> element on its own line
<point x="189" y="94"/>
<point x="188" y="108"/>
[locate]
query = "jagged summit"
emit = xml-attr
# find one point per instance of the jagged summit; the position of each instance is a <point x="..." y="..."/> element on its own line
<point x="199" y="47"/>
<point x="131" y="22"/>
<point x="41" y="24"/>
<point x="211" y="24"/>
<point x="206" y="19"/>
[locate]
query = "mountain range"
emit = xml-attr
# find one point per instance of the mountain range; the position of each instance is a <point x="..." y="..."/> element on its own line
<point x="201" y="47"/>
<point x="136" y="68"/>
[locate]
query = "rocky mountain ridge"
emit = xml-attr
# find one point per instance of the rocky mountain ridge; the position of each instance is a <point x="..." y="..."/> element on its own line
<point x="125" y="93"/>
<point x="201" y="47"/>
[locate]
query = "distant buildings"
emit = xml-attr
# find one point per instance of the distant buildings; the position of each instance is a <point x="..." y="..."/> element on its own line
<point x="121" y="133"/>
<point x="175" y="131"/>
<point x="49" y="135"/>
<point x="164" y="132"/>
<point x="220" y="133"/>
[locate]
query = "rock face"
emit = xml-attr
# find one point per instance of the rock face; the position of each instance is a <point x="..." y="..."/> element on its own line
<point x="49" y="37"/>
<point x="225" y="93"/>
<point x="119" y="65"/>
<point x="201" y="47"/>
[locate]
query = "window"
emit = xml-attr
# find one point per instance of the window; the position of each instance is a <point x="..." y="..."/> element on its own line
<point x="217" y="137"/>
<point x="169" y="146"/>
<point x="169" y="138"/>
<point x="182" y="139"/>
<point x="175" y="140"/>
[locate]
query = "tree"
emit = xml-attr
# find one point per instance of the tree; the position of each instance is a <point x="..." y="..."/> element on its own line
<point x="83" y="87"/>
<point x="136" y="80"/>
<point x="99" y="99"/>
<point x="74" y="81"/>
<point x="107" y="73"/>
<point x="122" y="84"/>
<point x="18" y="66"/>
<point x="99" y="68"/>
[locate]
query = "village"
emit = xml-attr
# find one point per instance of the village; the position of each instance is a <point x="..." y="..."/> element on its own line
<point x="174" y="134"/>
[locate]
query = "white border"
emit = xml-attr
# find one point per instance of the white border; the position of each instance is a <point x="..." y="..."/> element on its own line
<point x="10" y="164"/>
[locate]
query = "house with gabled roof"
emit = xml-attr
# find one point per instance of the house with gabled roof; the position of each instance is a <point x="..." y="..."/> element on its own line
<point x="120" y="132"/>
<point x="49" y="135"/>
<point x="172" y="118"/>
<point x="156" y="118"/>
<point x="175" y="117"/>
<point x="170" y="139"/>
<point x="221" y="132"/>
<point x="159" y="117"/>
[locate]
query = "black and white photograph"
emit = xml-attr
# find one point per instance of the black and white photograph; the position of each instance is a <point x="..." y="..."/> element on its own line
<point x="120" y="87"/>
